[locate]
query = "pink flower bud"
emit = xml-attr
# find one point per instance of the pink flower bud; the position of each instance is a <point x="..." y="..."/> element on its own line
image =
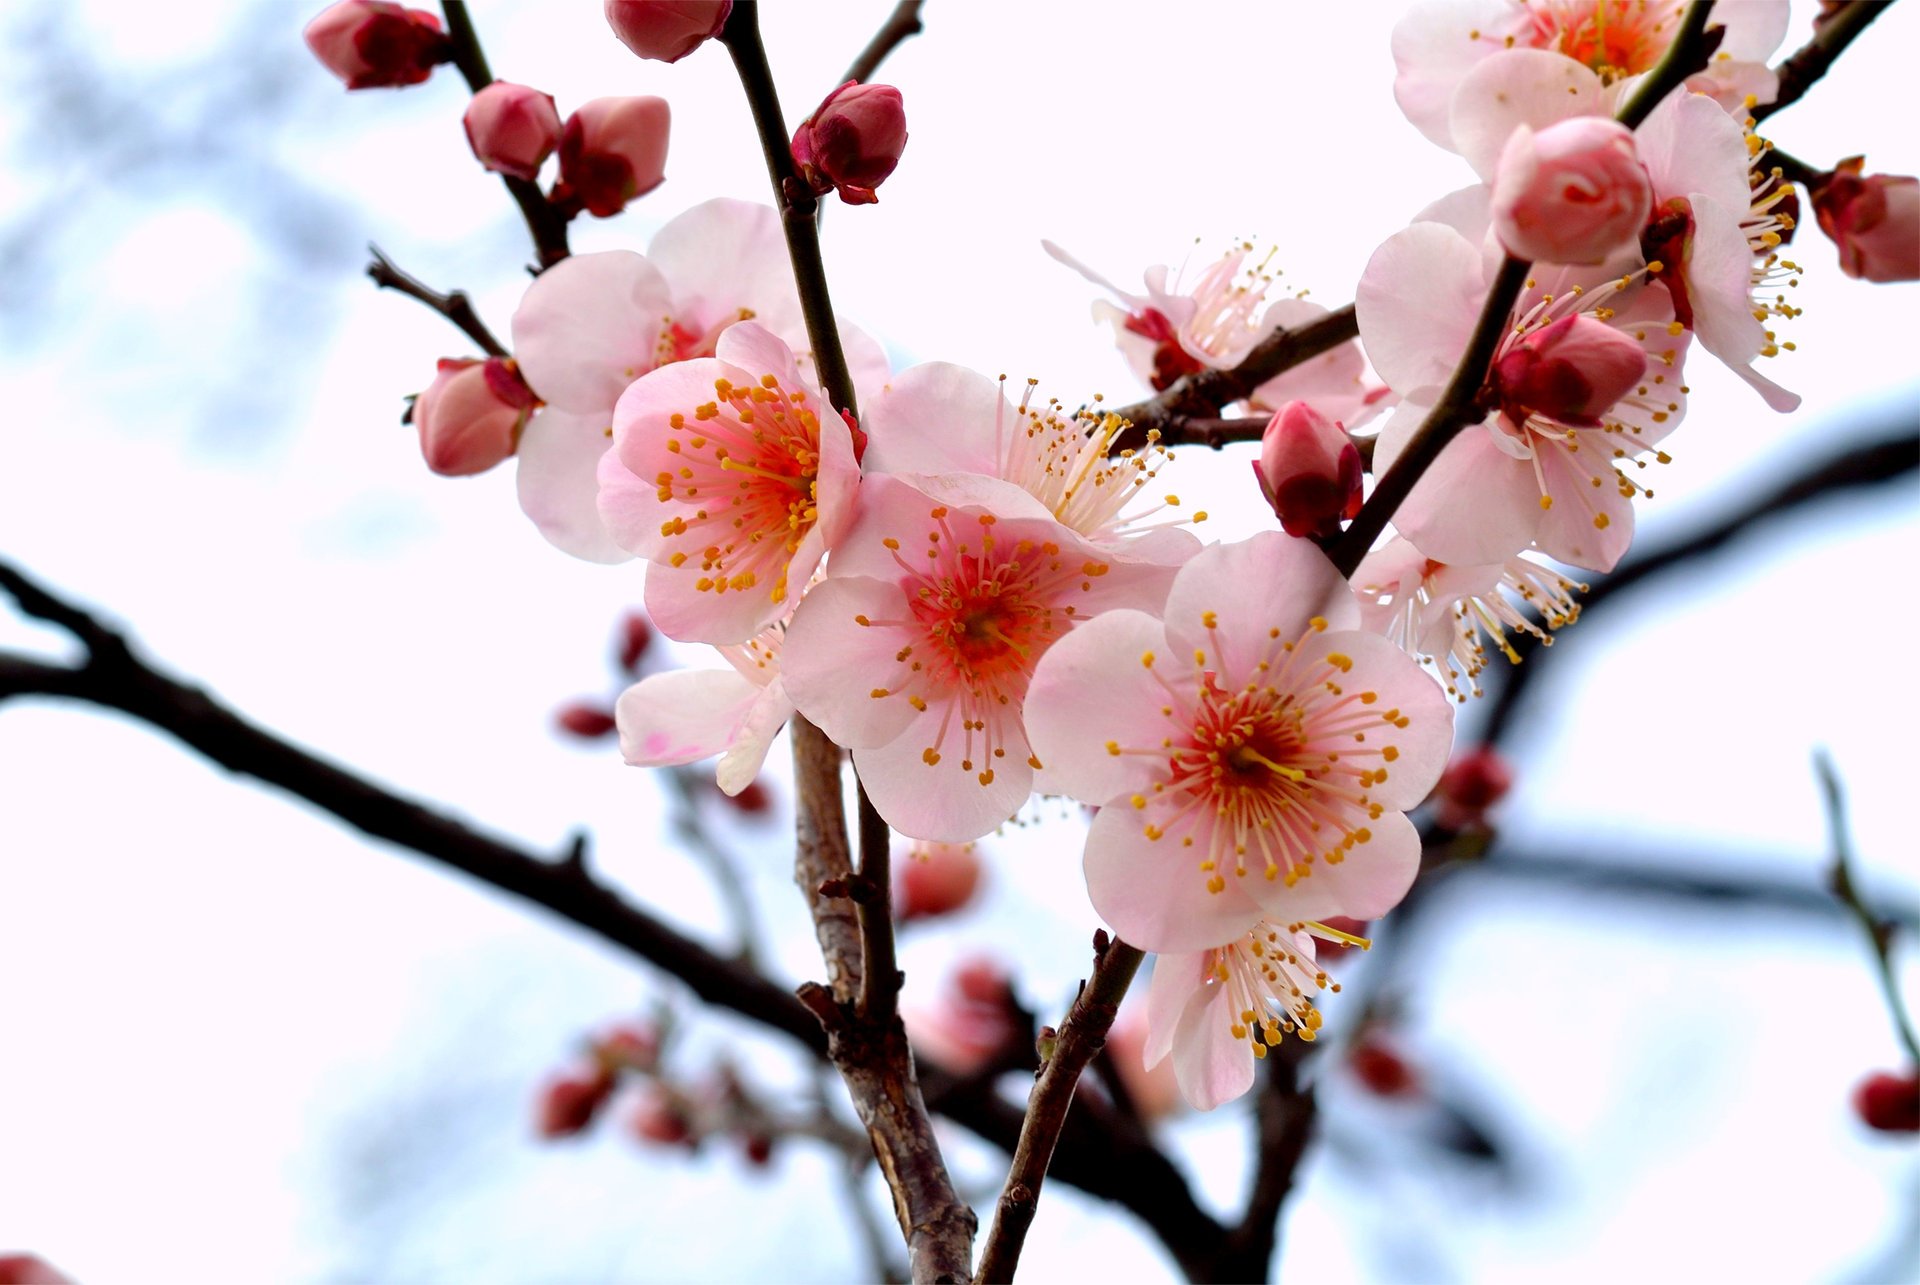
<point x="972" y="1023"/>
<point x="372" y="44"/>
<point x="470" y="417"/>
<point x="512" y="129"/>
<point x="1573" y="193"/>
<point x="1381" y="1069"/>
<point x="1472" y="783"/>
<point x="1309" y="470"/>
<point x="628" y="1048"/>
<point x="613" y="150"/>
<point x="852" y="141"/>
<point x="753" y="799"/>
<point x="587" y="721"/>
<point x="666" y="30"/>
<point x="568" y="1103"/>
<point x="658" y="1119"/>
<point x="1572" y="370"/>
<point x="636" y="635"/>
<point x="1889" y="1102"/>
<point x="936" y="879"/>
<point x="30" y="1269"/>
<point x="1874" y="220"/>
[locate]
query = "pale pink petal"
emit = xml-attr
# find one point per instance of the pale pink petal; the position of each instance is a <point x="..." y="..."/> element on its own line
<point x="589" y="326"/>
<point x="687" y="613"/>
<point x="1719" y="279"/>
<point x="1366" y="883"/>
<point x="1732" y="84"/>
<point x="836" y="490"/>
<point x="1468" y="211"/>
<point x="769" y="713"/>
<point x="1475" y="504"/>
<point x="1515" y="87"/>
<point x="757" y="351"/>
<point x="866" y="362"/>
<point x="937" y="418"/>
<point x="1588" y="526"/>
<point x="682" y="716"/>
<point x="1133" y="301"/>
<point x="1754" y="28"/>
<point x="1689" y="144"/>
<point x="1259" y="593"/>
<point x="1091" y="689"/>
<point x="1175" y="980"/>
<point x="724" y="255"/>
<point x="1209" y="1064"/>
<point x="1417" y="302"/>
<point x="558" y="485"/>
<point x="943" y="801"/>
<point x="1438" y="42"/>
<point x="1334" y="383"/>
<point x="641" y="435"/>
<point x="1422" y="746"/>
<point x="1152" y="892"/>
<point x="831" y="663"/>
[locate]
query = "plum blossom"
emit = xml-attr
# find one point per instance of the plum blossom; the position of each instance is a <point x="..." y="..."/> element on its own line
<point x="1252" y="755"/>
<point x="1439" y="42"/>
<point x="593" y="323"/>
<point x="1573" y="193"/>
<point x="1309" y="471"/>
<point x="1450" y="616"/>
<point x="1585" y="379"/>
<point x="1177" y="329"/>
<point x="733" y="476"/>
<point x="684" y="715"/>
<point x="1216" y="1012"/>
<point x="917" y="648"/>
<point x="1875" y="221"/>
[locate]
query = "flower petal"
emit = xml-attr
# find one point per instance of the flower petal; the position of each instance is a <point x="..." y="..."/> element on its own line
<point x="1091" y="690"/>
<point x="682" y="716"/>
<point x="1417" y="303"/>
<point x="831" y="662"/>
<point x="1255" y="590"/>
<point x="589" y="326"/>
<point x="558" y="483"/>
<point x="942" y="801"/>
<point x="1516" y="87"/>
<point x="1152" y="891"/>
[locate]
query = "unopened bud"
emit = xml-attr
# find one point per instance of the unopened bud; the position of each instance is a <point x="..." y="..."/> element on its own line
<point x="852" y="141"/>
<point x="512" y="129"/>
<point x="1889" y="1102"/>
<point x="636" y="635"/>
<point x="1309" y="470"/>
<point x="613" y="149"/>
<point x="1383" y="1070"/>
<point x="1472" y="783"/>
<point x="1875" y="221"/>
<point x="758" y="1149"/>
<point x="1572" y="370"/>
<point x="30" y="1269"/>
<point x="666" y="30"/>
<point x="587" y="721"/>
<point x="373" y="44"/>
<point x="752" y="798"/>
<point x="1573" y="193"/>
<point x="628" y="1048"/>
<point x="936" y="879"/>
<point x="657" y="1118"/>
<point x="470" y="417"/>
<point x="569" y="1102"/>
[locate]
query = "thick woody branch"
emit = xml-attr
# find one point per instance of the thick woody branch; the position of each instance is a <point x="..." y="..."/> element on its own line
<point x="546" y="224"/>
<point x="454" y="306"/>
<point x="1812" y="60"/>
<point x="902" y="25"/>
<point x="1081" y="1036"/>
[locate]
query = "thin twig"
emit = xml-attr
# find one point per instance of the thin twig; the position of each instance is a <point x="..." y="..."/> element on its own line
<point x="546" y="224"/>
<point x="901" y="25"/>
<point x="1812" y="60"/>
<point x="688" y="789"/>
<point x="1840" y="878"/>
<point x="1082" y="1035"/>
<point x="455" y="306"/>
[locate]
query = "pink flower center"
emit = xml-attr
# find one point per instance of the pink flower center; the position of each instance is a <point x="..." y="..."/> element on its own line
<point x="1613" y="37"/>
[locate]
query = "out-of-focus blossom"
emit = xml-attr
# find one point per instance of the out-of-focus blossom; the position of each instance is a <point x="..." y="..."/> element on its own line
<point x="1573" y="193"/>
<point x="666" y="30"/>
<point x="1874" y="220"/>
<point x="1309" y="471"/>
<point x="1382" y="1068"/>
<point x="633" y="641"/>
<point x="30" y="1269"/>
<point x="570" y="1101"/>
<point x="629" y="1047"/>
<point x="373" y="44"/>
<point x="656" y="1118"/>
<point x="972" y="1021"/>
<point x="512" y="129"/>
<point x="470" y="417"/>
<point x="1252" y="756"/>
<point x="1472" y="783"/>
<point x="1889" y="1101"/>
<point x="852" y="142"/>
<point x="935" y="879"/>
<point x="612" y="150"/>
<point x="684" y="715"/>
<point x="1154" y="1090"/>
<point x="585" y="720"/>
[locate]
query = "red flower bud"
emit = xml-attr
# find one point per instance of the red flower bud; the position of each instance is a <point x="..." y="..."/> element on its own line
<point x="628" y="1048"/>
<point x="935" y="879"/>
<point x="1572" y="370"/>
<point x="758" y="1149"/>
<point x="1889" y="1102"/>
<point x="613" y="150"/>
<point x="470" y="417"/>
<point x="666" y="30"/>
<point x="852" y="141"/>
<point x="512" y="129"/>
<point x="1472" y="783"/>
<point x="586" y="721"/>
<point x="569" y="1102"/>
<point x="373" y="44"/>
<point x="1381" y="1069"/>
<point x="636" y="635"/>
<point x="1874" y="220"/>
<point x="1309" y="470"/>
<point x="658" y="1119"/>
<point x="753" y="798"/>
<point x="30" y="1269"/>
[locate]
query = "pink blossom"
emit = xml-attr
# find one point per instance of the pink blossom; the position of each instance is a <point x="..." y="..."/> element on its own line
<point x="1547" y="467"/>
<point x="852" y="142"/>
<point x="1251" y="756"/>
<point x="732" y="475"/>
<point x="684" y="715"/>
<point x="613" y="150"/>
<point x="1472" y="783"/>
<point x="971" y="1024"/>
<point x="593" y="323"/>
<point x="1889" y="1101"/>
<point x="666" y="30"/>
<point x="917" y="649"/>
<point x="1309" y="471"/>
<point x="570" y="1101"/>
<point x="373" y="44"/>
<point x="1573" y="193"/>
<point x="1875" y="221"/>
<point x="470" y="417"/>
<point x="1217" y="1011"/>
<point x="512" y="129"/>
<point x="935" y="879"/>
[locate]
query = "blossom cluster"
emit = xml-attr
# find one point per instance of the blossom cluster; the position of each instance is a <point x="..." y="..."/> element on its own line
<point x="986" y="596"/>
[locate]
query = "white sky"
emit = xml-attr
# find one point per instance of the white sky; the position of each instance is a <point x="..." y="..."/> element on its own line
<point x="237" y="1043"/>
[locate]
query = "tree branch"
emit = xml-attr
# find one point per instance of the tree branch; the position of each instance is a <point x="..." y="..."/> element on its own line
<point x="1840" y="878"/>
<point x="455" y="306"/>
<point x="1812" y="60"/>
<point x="901" y="25"/>
<point x="545" y="223"/>
<point x="1081" y="1036"/>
